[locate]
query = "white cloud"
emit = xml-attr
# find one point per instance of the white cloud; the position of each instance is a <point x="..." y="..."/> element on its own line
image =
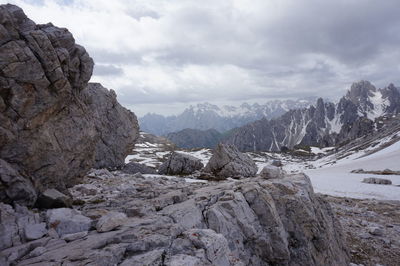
<point x="158" y="53"/>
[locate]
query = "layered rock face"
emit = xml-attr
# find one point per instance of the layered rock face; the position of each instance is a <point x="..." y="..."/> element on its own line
<point x="117" y="127"/>
<point x="325" y="124"/>
<point x="50" y="134"/>
<point x="171" y="222"/>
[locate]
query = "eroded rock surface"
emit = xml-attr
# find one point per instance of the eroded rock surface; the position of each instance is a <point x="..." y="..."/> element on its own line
<point x="52" y="128"/>
<point x="173" y="222"/>
<point x="180" y="164"/>
<point x="227" y="161"/>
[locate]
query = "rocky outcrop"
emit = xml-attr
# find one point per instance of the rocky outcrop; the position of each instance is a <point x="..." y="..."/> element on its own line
<point x="52" y="129"/>
<point x="117" y="127"/>
<point x="227" y="161"/>
<point x="180" y="164"/>
<point x="195" y="138"/>
<point x="242" y="222"/>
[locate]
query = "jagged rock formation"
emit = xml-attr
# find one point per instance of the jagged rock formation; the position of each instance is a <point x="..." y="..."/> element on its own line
<point x="49" y="122"/>
<point x="195" y="138"/>
<point x="171" y="222"/>
<point x="227" y="161"/>
<point x="180" y="164"/>
<point x="325" y="124"/>
<point x="206" y="116"/>
<point x="117" y="127"/>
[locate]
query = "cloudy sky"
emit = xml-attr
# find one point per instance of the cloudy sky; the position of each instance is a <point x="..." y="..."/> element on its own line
<point x="161" y="56"/>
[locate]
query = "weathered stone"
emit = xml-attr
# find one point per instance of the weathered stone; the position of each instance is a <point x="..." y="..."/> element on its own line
<point x="35" y="231"/>
<point x="154" y="257"/>
<point x="52" y="198"/>
<point x="117" y="127"/>
<point x="67" y="221"/>
<point x="74" y="236"/>
<point x="110" y="221"/>
<point x="215" y="245"/>
<point x="53" y="128"/>
<point x="375" y="180"/>
<point x="270" y="172"/>
<point x="100" y="173"/>
<point x="180" y="164"/>
<point x="277" y="163"/>
<point x="17" y="188"/>
<point x="36" y="252"/>
<point x="227" y="161"/>
<point x="133" y="168"/>
<point x="376" y="231"/>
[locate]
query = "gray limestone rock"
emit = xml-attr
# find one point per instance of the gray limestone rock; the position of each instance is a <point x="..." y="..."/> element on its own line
<point x="227" y="161"/>
<point x="180" y="164"/>
<point x="52" y="198"/>
<point x="17" y="188"/>
<point x="375" y="180"/>
<point x="242" y="222"/>
<point x="74" y="236"/>
<point x="35" y="231"/>
<point x="110" y="221"/>
<point x="53" y="126"/>
<point x="271" y="172"/>
<point x="117" y="127"/>
<point x="67" y="221"/>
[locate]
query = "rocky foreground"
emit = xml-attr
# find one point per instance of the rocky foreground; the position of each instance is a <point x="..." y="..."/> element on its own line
<point x="135" y="220"/>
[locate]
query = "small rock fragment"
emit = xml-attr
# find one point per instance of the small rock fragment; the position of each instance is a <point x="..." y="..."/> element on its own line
<point x="110" y="221"/>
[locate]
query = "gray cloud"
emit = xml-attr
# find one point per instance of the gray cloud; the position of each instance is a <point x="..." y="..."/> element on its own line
<point x="155" y="53"/>
<point x="107" y="70"/>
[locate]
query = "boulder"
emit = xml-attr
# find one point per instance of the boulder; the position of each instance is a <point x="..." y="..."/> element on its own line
<point x="110" y="221"/>
<point x="67" y="221"/>
<point x="54" y="127"/>
<point x="277" y="163"/>
<point x="180" y="164"/>
<point x="134" y="168"/>
<point x="35" y="231"/>
<point x="270" y="172"/>
<point x="227" y="161"/>
<point x="375" y="180"/>
<point x="52" y="198"/>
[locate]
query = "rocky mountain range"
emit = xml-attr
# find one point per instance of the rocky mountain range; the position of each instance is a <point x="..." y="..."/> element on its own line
<point x="206" y="116"/>
<point x="325" y="124"/>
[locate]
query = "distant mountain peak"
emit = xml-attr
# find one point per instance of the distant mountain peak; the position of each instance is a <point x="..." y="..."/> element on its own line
<point x="206" y="115"/>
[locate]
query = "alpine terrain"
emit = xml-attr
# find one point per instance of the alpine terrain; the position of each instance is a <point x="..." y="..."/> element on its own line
<point x="288" y="183"/>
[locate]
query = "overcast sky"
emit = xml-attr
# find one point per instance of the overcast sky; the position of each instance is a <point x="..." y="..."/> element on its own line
<point x="160" y="56"/>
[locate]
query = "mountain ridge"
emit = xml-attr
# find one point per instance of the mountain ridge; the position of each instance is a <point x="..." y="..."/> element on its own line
<point x="325" y="124"/>
<point x="204" y="116"/>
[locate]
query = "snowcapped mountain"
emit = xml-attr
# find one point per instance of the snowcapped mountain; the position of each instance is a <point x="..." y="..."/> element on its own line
<point x="206" y="116"/>
<point x="325" y="124"/>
